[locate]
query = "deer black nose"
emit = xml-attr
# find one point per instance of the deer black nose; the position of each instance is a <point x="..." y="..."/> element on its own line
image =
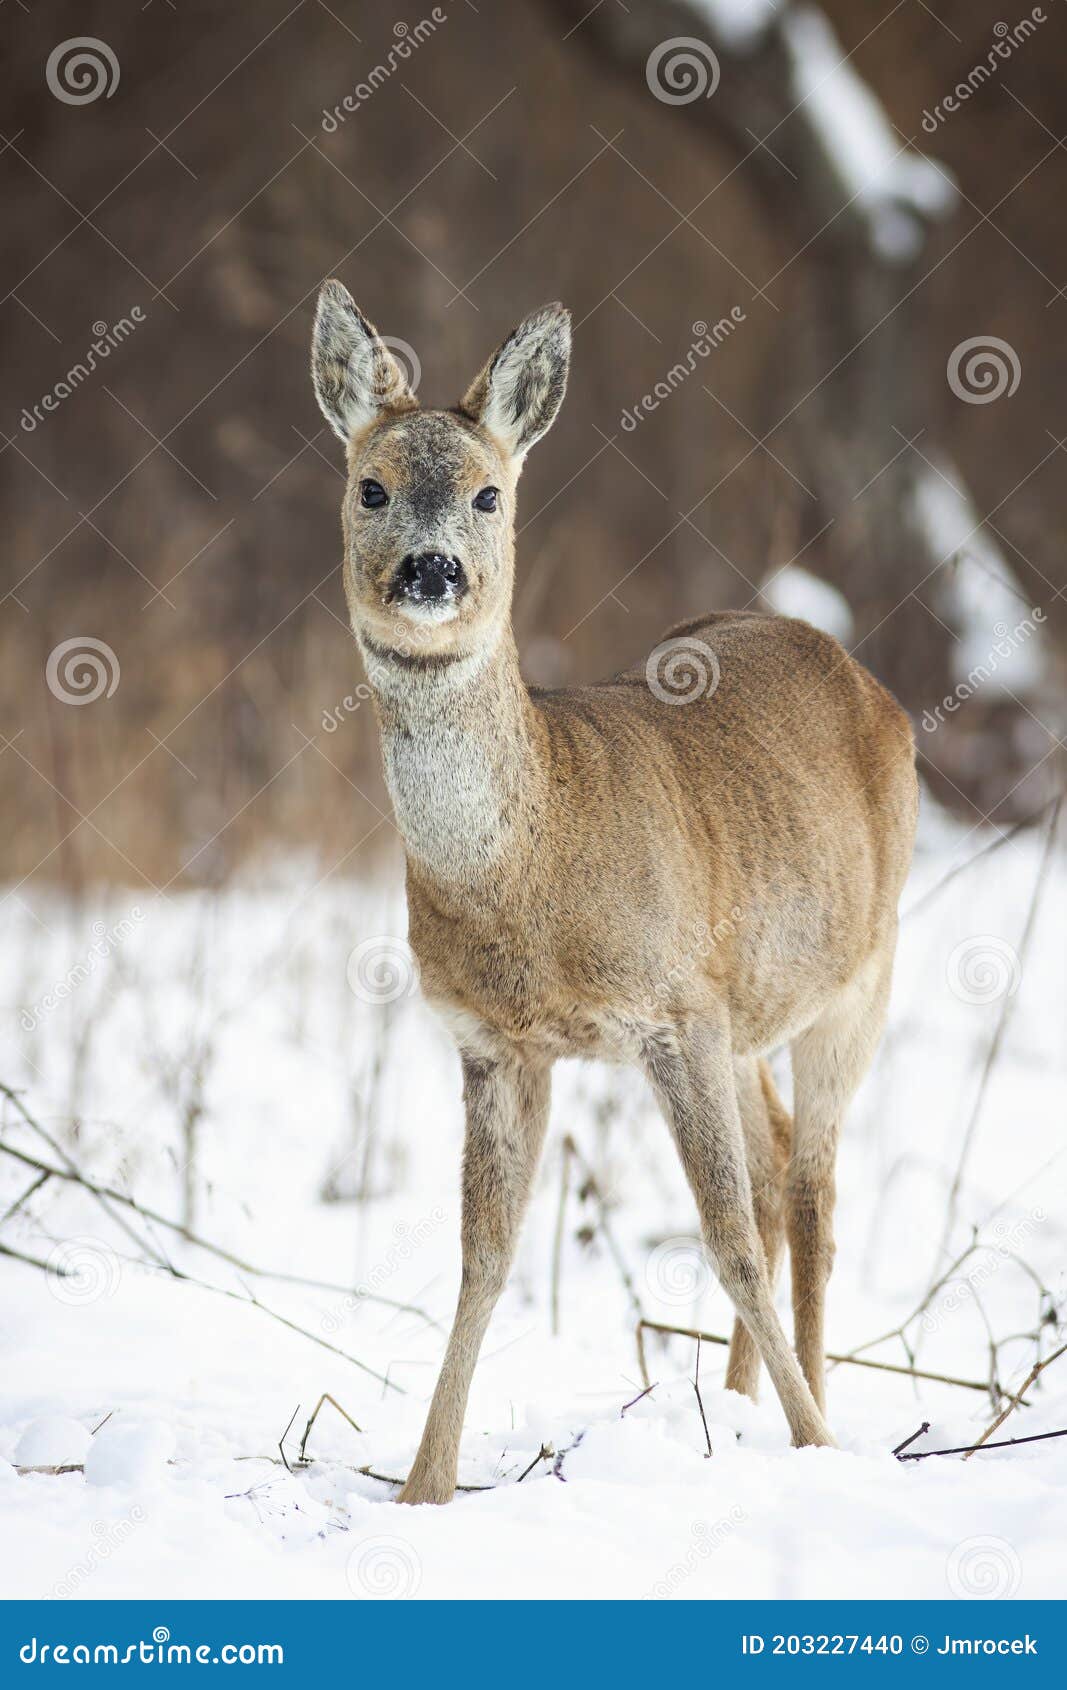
<point x="431" y="575"/>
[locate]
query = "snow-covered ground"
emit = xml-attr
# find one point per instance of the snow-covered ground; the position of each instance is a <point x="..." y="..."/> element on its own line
<point x="242" y="1015"/>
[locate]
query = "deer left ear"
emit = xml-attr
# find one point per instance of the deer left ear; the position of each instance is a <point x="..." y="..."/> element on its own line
<point x="517" y="395"/>
<point x="356" y="377"/>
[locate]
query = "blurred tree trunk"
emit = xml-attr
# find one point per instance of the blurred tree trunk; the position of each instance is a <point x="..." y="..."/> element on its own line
<point x="856" y="383"/>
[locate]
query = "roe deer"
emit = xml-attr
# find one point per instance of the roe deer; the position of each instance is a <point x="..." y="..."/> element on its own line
<point x="597" y="871"/>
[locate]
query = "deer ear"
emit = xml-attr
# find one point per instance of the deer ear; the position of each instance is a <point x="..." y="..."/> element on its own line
<point x="518" y="393"/>
<point x="356" y="377"/>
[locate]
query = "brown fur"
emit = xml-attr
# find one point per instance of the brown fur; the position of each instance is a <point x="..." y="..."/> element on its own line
<point x="598" y="872"/>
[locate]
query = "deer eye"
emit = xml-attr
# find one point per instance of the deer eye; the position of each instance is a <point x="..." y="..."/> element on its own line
<point x="486" y="499"/>
<point x="372" y="495"/>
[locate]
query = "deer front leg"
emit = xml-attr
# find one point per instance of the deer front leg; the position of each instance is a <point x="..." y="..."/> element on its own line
<point x="507" y="1112"/>
<point x="692" y="1073"/>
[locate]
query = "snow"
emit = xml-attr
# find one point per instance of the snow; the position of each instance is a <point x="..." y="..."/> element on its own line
<point x="897" y="188"/>
<point x="130" y="1452"/>
<point x="184" y="1491"/>
<point x="792" y="591"/>
<point x="978" y="593"/>
<point x="739" y="24"/>
<point x="52" y="1441"/>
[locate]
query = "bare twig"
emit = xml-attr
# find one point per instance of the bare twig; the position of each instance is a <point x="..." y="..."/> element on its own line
<point x="35" y="1261"/>
<point x="925" y="1427"/>
<point x="13" y="1208"/>
<point x="997" y="1041"/>
<point x="75" y="1177"/>
<point x="343" y="1412"/>
<point x="557" y="1465"/>
<point x="557" y="1241"/>
<point x="590" y="1188"/>
<point x="1014" y="1401"/>
<point x="986" y="851"/>
<point x="248" y="1300"/>
<point x="545" y="1453"/>
<point x="285" y="1434"/>
<point x="634" y="1400"/>
<point x="831" y="1355"/>
<point x="103" y="1197"/>
<point x="972" y="1449"/>
<point x="700" y="1404"/>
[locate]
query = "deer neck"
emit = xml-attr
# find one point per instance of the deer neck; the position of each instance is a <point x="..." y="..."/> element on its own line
<point x="463" y="763"/>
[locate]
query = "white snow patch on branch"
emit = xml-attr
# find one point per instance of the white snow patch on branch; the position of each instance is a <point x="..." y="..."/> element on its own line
<point x="898" y="189"/>
<point x="794" y="592"/>
<point x="739" y="24"/>
<point x="976" y="590"/>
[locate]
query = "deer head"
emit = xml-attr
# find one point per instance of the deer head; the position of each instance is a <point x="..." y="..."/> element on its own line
<point x="429" y="509"/>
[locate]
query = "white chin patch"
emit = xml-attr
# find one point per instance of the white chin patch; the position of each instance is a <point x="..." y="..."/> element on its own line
<point x="427" y="610"/>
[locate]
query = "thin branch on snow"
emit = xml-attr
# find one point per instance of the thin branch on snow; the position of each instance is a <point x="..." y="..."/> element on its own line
<point x="854" y="1360"/>
<point x="640" y="1397"/>
<point x="248" y="1300"/>
<point x="1046" y="1315"/>
<point x="591" y="1188"/>
<point x="74" y="1176"/>
<point x="557" y="1240"/>
<point x="71" y="1171"/>
<point x="967" y="1450"/>
<point x="34" y="1261"/>
<point x="303" y="1458"/>
<point x="545" y="1453"/>
<point x="997" y="844"/>
<point x="925" y="1427"/>
<point x="996" y="1043"/>
<point x="285" y="1434"/>
<point x="700" y="1405"/>
<point x="1014" y="1401"/>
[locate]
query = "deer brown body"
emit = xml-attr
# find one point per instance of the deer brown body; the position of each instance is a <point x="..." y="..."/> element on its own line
<point x="681" y="868"/>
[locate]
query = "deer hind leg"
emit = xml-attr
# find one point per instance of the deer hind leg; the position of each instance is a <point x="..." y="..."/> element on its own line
<point x="691" y="1071"/>
<point x="507" y="1112"/>
<point x="768" y="1132"/>
<point x="829" y="1061"/>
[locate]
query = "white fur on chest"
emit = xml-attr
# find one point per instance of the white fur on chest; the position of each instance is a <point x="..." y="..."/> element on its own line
<point x="444" y="791"/>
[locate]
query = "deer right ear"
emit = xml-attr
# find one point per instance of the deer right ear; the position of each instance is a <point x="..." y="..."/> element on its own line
<point x="356" y="377"/>
<point x="519" y="391"/>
